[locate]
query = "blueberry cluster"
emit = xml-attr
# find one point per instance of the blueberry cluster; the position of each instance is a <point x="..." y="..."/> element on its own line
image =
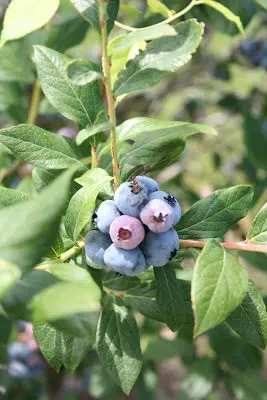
<point x="135" y="230"/>
<point x="255" y="51"/>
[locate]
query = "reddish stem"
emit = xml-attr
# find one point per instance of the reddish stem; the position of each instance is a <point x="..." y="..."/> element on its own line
<point x="241" y="246"/>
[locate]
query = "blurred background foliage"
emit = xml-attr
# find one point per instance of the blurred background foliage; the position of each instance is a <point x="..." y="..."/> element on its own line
<point x="223" y="86"/>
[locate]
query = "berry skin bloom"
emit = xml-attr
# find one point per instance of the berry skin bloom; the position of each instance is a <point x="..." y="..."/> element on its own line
<point x="157" y="215"/>
<point x="127" y="232"/>
<point x="126" y="262"/>
<point x="105" y="215"/>
<point x="96" y="243"/>
<point x="160" y="248"/>
<point x="151" y="185"/>
<point x="171" y="201"/>
<point x="131" y="197"/>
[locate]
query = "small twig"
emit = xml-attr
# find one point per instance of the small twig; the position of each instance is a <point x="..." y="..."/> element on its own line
<point x="166" y="21"/>
<point x="33" y="111"/>
<point x="241" y="246"/>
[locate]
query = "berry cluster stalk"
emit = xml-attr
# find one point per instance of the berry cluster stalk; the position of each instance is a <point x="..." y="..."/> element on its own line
<point x="108" y="88"/>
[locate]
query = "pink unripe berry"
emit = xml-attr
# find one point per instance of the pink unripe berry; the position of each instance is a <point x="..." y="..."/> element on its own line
<point x="157" y="215"/>
<point x="127" y="232"/>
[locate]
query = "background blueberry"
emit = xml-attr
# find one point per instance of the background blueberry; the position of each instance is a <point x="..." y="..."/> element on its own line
<point x="105" y="215"/>
<point x="126" y="262"/>
<point x="131" y="197"/>
<point x="127" y="232"/>
<point x="171" y="201"/>
<point x="151" y="184"/>
<point x="159" y="248"/>
<point x="157" y="215"/>
<point x="96" y="243"/>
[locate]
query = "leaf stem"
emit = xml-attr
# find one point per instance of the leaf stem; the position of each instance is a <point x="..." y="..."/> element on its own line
<point x="240" y="246"/>
<point x="166" y="21"/>
<point x="93" y="157"/>
<point x="73" y="251"/>
<point x="109" y="94"/>
<point x="33" y="111"/>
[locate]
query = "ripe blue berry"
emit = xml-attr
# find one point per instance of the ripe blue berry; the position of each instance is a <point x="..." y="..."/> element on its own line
<point x="151" y="185"/>
<point x="157" y="215"/>
<point x="126" y="262"/>
<point x="131" y="197"/>
<point x="171" y="201"/>
<point x="96" y="243"/>
<point x="160" y="248"/>
<point x="105" y="215"/>
<point x="127" y="232"/>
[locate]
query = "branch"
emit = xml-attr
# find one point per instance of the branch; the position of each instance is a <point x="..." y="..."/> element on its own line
<point x="240" y="246"/>
<point x="109" y="93"/>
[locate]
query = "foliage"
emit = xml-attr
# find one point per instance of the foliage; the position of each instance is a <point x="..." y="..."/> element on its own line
<point x="168" y="66"/>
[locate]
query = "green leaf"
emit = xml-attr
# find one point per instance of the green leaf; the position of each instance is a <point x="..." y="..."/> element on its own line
<point x="81" y="104"/>
<point x="64" y="299"/>
<point x="8" y="197"/>
<point x="16" y="301"/>
<point x="39" y="147"/>
<point x="142" y="298"/>
<point x="219" y="285"/>
<point x="10" y="69"/>
<point x="118" y="282"/>
<point x="247" y="385"/>
<point x="235" y="352"/>
<point x="82" y="204"/>
<point x="82" y="72"/>
<point x="59" y="349"/>
<point x="87" y="133"/>
<point x="255" y="140"/>
<point x="67" y="34"/>
<point x="69" y="273"/>
<point x="149" y="66"/>
<point x="25" y="16"/>
<point x="89" y="10"/>
<point x="26" y="231"/>
<point x="173" y="298"/>
<point x="118" y="344"/>
<point x="249" y="320"/>
<point x="159" y="349"/>
<point x="212" y="216"/>
<point x="119" y="58"/>
<point x="262" y="3"/>
<point x="148" y="127"/>
<point x="9" y="273"/>
<point x="258" y="231"/>
<point x="43" y="177"/>
<point x="144" y="34"/>
<point x="160" y="147"/>
<point x="227" y="13"/>
<point x="157" y="7"/>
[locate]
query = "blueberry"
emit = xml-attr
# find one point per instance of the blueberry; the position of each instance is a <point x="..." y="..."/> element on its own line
<point x="159" y="248"/>
<point x="131" y="197"/>
<point x="151" y="185"/>
<point x="67" y="132"/>
<point x="171" y="201"/>
<point x="126" y="262"/>
<point x="96" y="243"/>
<point x="127" y="232"/>
<point x="105" y="215"/>
<point x="263" y="62"/>
<point x="157" y="215"/>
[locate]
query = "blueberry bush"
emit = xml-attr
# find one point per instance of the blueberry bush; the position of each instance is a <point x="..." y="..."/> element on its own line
<point x="133" y="213"/>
